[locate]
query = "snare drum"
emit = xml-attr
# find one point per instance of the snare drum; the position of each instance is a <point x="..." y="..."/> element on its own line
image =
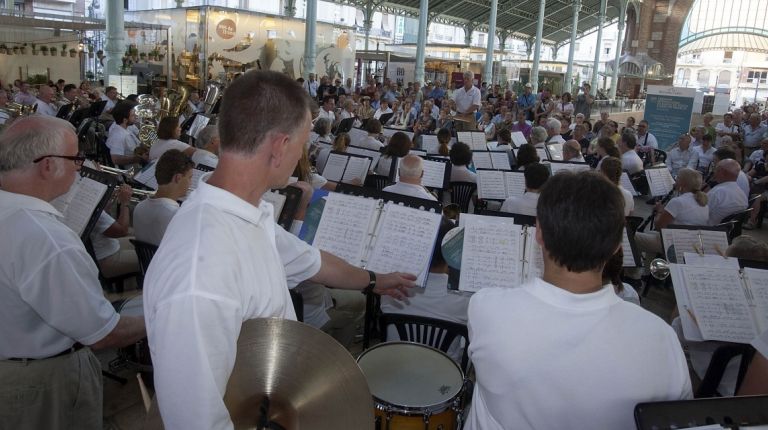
<point x="414" y="386"/>
<point x="135" y="356"/>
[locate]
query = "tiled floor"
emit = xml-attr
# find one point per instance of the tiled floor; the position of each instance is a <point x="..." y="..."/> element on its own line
<point x="124" y="409"/>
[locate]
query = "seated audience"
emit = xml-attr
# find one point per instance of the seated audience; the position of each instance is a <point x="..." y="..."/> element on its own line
<point x="168" y="132"/>
<point x="540" y="349"/>
<point x="411" y="171"/>
<point x="611" y="168"/>
<point x="536" y="174"/>
<point x="151" y="216"/>
<point x="207" y="144"/>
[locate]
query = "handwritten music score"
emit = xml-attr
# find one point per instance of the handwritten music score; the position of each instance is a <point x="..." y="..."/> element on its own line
<point x="334" y="167"/>
<point x="500" y="160"/>
<point x="357" y="136"/>
<point x="491" y="253"/>
<point x="277" y="200"/>
<point x="434" y="174"/>
<point x="430" y="143"/>
<point x="626" y="248"/>
<point x="660" y="181"/>
<point x="404" y="241"/>
<point x="79" y="203"/>
<point x="475" y="139"/>
<point x="706" y="242"/>
<point x="357" y="168"/>
<point x="345" y="226"/>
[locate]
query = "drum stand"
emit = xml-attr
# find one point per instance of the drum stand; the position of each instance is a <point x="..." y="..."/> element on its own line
<point x="263" y="419"/>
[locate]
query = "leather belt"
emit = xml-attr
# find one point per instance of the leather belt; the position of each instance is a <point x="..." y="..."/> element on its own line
<point x="74" y="348"/>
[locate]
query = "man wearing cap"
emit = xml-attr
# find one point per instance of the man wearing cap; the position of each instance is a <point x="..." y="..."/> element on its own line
<point x="527" y="101"/>
<point x="467" y="100"/>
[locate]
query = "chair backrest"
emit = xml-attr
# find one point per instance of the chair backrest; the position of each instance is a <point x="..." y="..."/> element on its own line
<point x="298" y="304"/>
<point x="377" y="182"/>
<point x="145" y="251"/>
<point x="717" y="365"/>
<point x="432" y="332"/>
<point x="461" y="194"/>
<point x="739" y="218"/>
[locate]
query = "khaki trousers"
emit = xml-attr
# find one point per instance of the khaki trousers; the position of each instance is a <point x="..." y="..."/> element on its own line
<point x="54" y="394"/>
<point x="345" y="315"/>
<point x="122" y="262"/>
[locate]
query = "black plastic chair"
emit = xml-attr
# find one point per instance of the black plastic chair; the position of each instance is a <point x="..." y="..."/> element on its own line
<point x="719" y="363"/>
<point x="145" y="251"/>
<point x="298" y="304"/>
<point x="461" y="194"/>
<point x="738" y="219"/>
<point x="433" y="332"/>
<point x="377" y="182"/>
<point x="115" y="284"/>
<point x="727" y="411"/>
<point x="371" y="319"/>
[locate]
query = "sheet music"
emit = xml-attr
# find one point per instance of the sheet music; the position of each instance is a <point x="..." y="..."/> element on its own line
<point x="490" y="257"/>
<point x="626" y="248"/>
<point x="434" y="174"/>
<point x="79" y="203"/>
<point x="708" y="242"/>
<point x="482" y="160"/>
<point x="627" y="184"/>
<point x="357" y="167"/>
<point x="514" y="183"/>
<point x="199" y="123"/>
<point x="388" y="132"/>
<point x="334" y="167"/>
<point x="357" y="136"/>
<point x="404" y="242"/>
<point x="556" y="151"/>
<point x="500" y="160"/>
<point x="573" y="167"/>
<point x="757" y="283"/>
<point x="694" y="259"/>
<point x="430" y="144"/>
<point x="660" y="181"/>
<point x="197" y="174"/>
<point x="419" y="152"/>
<point x="534" y="258"/>
<point x="374" y="155"/>
<point x="277" y="200"/>
<point x="518" y="138"/>
<point x="344" y="228"/>
<point x="542" y="153"/>
<point x="719" y="304"/>
<point x="491" y="185"/>
<point x="147" y="175"/>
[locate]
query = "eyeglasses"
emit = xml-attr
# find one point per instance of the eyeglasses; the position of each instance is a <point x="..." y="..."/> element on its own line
<point x="77" y="159"/>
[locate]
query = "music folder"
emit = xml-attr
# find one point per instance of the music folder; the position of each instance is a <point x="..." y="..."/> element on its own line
<point x="676" y="242"/>
<point x="559" y="166"/>
<point x="497" y="160"/>
<point x="377" y="235"/>
<point x="719" y="303"/>
<point x="345" y="167"/>
<point x="554" y="151"/>
<point x="475" y="139"/>
<point x="499" y="184"/>
<point x="660" y="181"/>
<point x="86" y="198"/>
<point x="437" y="173"/>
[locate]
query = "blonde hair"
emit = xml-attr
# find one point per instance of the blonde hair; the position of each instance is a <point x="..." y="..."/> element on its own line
<point x="692" y="181"/>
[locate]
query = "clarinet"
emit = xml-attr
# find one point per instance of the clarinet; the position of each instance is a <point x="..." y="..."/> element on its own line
<point x="649" y="220"/>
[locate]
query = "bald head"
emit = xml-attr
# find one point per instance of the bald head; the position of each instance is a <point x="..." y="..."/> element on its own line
<point x="727" y="171"/>
<point x="571" y="149"/>
<point x="411" y="169"/>
<point x="45" y="93"/>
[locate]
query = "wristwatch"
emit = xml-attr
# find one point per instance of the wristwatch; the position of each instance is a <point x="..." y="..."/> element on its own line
<point x="371" y="283"/>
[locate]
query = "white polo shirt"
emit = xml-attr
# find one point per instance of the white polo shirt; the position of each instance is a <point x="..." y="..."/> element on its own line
<point x="462" y="174"/>
<point x="162" y="145"/>
<point x="648" y="140"/>
<point x="546" y="357"/>
<point x="330" y="115"/>
<point x="466" y="99"/>
<point x="523" y="205"/>
<point x="701" y="159"/>
<point x="121" y="141"/>
<point x="725" y="199"/>
<point x="50" y="296"/>
<point x="410" y="190"/>
<point x="631" y="162"/>
<point x="222" y="261"/>
<point x="44" y="108"/>
<point x="629" y="201"/>
<point x="371" y="143"/>
<point x="151" y="217"/>
<point x="685" y="210"/>
<point x="104" y="246"/>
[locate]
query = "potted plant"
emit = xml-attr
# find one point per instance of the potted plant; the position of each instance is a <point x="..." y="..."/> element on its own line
<point x="44" y="50"/>
<point x="143" y="56"/>
<point x="23" y="49"/>
<point x="34" y="49"/>
<point x="64" y="50"/>
<point x="72" y="53"/>
<point x="3" y="48"/>
<point x="53" y="51"/>
<point x="90" y="51"/>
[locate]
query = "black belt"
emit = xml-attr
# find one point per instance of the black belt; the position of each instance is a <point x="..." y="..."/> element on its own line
<point x="74" y="348"/>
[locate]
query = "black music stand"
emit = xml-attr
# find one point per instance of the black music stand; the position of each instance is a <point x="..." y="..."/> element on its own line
<point x="290" y="207"/>
<point x="345" y="125"/>
<point x="446" y="174"/>
<point x="64" y="111"/>
<point x="386" y="117"/>
<point x="411" y="202"/>
<point x="726" y="411"/>
<point x="97" y="108"/>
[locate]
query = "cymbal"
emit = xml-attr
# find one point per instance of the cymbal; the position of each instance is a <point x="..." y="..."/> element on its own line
<point x="289" y="375"/>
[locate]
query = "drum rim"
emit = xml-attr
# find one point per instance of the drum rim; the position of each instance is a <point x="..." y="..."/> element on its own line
<point x="415" y="410"/>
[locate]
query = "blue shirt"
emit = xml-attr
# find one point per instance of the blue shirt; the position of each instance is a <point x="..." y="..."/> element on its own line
<point x="437" y="93"/>
<point x="526" y="100"/>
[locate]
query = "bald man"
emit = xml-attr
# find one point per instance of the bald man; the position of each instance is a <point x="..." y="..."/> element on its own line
<point x="572" y="151"/>
<point x="44" y="101"/>
<point x="411" y="171"/>
<point x="726" y="198"/>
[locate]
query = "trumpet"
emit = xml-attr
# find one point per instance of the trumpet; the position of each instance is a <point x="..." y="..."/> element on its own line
<point x="17" y="109"/>
<point x="139" y="195"/>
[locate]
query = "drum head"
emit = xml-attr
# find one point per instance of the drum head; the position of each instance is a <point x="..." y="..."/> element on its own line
<point x="133" y="307"/>
<point x="411" y="375"/>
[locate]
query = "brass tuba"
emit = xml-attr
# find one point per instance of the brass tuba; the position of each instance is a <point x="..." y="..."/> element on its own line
<point x="174" y="102"/>
<point x="213" y="92"/>
<point x="17" y="109"/>
<point x="147" y="112"/>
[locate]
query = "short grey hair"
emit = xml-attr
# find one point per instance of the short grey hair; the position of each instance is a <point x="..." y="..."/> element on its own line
<point x="538" y="135"/>
<point x="553" y="124"/>
<point x="30" y="138"/>
<point x="469" y="74"/>
<point x="411" y="166"/>
<point x="206" y="136"/>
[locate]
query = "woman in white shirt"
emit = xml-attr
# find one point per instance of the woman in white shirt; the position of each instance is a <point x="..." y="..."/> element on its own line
<point x="399" y="146"/>
<point x="168" y="133"/>
<point x="564" y="106"/>
<point x="461" y="157"/>
<point x="688" y="208"/>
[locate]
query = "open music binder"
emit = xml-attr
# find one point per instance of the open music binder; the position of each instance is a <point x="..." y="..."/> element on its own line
<point x="475" y="139"/>
<point x="146" y="176"/>
<point x="560" y="166"/>
<point x="357" y="136"/>
<point x="345" y="167"/>
<point x="499" y="185"/>
<point x="627" y="184"/>
<point x="377" y="235"/>
<point x="498" y="160"/>
<point x="554" y="151"/>
<point x="724" y="304"/>
<point x="85" y="200"/>
<point x="518" y="138"/>
<point x="365" y="152"/>
<point x="678" y="241"/>
<point x="285" y="202"/>
<point x="497" y="253"/>
<point x="437" y="173"/>
<point x="660" y="181"/>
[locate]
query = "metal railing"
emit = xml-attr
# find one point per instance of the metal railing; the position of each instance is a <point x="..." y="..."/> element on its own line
<point x="618" y="105"/>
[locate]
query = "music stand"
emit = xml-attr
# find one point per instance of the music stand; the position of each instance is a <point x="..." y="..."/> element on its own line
<point x="345" y="125"/>
<point x="97" y="108"/>
<point x="386" y="117"/>
<point x="290" y="207"/>
<point x="672" y="257"/>
<point x="64" y="111"/>
<point x="411" y="202"/>
<point x="744" y="411"/>
<point x="112" y="182"/>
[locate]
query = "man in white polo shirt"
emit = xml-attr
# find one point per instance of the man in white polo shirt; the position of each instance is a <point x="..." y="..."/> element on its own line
<point x="467" y="100"/>
<point x="411" y="171"/>
<point x="548" y="351"/>
<point x="630" y="161"/>
<point x="726" y="198"/>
